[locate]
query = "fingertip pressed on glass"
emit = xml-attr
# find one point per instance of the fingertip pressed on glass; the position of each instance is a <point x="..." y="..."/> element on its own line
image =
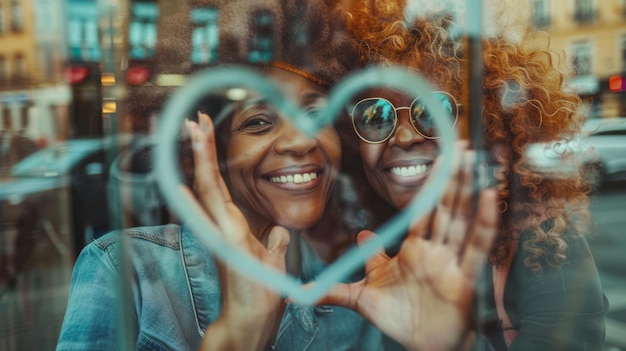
<point x="375" y="118"/>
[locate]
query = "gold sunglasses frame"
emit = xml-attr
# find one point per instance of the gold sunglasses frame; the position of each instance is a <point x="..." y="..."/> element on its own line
<point x="397" y="118"/>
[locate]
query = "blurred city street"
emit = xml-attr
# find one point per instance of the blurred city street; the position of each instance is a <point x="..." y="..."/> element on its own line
<point x="32" y="307"/>
<point x="608" y="245"/>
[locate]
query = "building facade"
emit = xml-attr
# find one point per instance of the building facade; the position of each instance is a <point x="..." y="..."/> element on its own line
<point x="592" y="34"/>
<point x="33" y="95"/>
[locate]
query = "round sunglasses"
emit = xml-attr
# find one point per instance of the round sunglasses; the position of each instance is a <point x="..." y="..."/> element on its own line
<point x="375" y="118"/>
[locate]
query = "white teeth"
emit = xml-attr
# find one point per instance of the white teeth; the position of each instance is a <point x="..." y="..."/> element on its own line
<point x="410" y="171"/>
<point x="295" y="178"/>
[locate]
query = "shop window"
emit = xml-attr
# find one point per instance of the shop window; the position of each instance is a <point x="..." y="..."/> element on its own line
<point x="205" y="35"/>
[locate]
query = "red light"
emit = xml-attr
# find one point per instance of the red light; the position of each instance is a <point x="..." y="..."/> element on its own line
<point x="616" y="83"/>
<point x="76" y="74"/>
<point x="137" y="75"/>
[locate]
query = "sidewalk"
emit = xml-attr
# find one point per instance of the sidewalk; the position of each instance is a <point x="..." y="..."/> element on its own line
<point x="31" y="312"/>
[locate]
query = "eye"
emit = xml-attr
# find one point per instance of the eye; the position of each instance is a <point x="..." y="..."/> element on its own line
<point x="255" y="119"/>
<point x="313" y="113"/>
<point x="257" y="124"/>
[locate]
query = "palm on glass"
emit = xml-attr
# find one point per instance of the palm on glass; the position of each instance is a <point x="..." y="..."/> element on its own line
<point x="423" y="296"/>
<point x="250" y="310"/>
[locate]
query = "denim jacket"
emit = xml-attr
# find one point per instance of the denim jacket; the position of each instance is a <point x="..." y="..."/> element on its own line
<point x="176" y="296"/>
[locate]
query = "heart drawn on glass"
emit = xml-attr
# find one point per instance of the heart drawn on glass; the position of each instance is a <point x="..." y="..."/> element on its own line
<point x="192" y="214"/>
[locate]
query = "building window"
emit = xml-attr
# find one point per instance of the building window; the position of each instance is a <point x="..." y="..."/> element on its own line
<point x="261" y="43"/>
<point x="205" y="35"/>
<point x="623" y="53"/>
<point x="83" y="35"/>
<point x="7" y="119"/>
<point x="142" y="36"/>
<point x="17" y="16"/>
<point x="541" y="13"/>
<point x="20" y="67"/>
<point x="584" y="11"/>
<point x="4" y="71"/>
<point x="581" y="57"/>
<point x="2" y="21"/>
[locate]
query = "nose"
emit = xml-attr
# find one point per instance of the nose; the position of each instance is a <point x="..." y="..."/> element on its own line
<point x="293" y="141"/>
<point x="405" y="134"/>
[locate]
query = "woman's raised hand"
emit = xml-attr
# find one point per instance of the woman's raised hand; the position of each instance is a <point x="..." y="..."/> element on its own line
<point x="423" y="296"/>
<point x="250" y="311"/>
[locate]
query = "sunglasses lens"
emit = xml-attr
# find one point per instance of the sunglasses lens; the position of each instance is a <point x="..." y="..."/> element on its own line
<point x="423" y="119"/>
<point x="374" y="119"/>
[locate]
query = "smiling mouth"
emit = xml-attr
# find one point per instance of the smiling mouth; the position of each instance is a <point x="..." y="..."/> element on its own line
<point x="410" y="171"/>
<point x="296" y="178"/>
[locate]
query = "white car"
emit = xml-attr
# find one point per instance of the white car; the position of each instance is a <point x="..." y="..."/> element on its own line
<point x="607" y="136"/>
<point x="600" y="149"/>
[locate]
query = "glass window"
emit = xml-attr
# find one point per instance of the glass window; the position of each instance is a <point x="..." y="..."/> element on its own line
<point x="541" y="12"/>
<point x="622" y="53"/>
<point x="4" y="72"/>
<point x="204" y="35"/>
<point x="78" y="143"/>
<point x="142" y="35"/>
<point x="20" y="66"/>
<point x="2" y="21"/>
<point x="17" y="16"/>
<point x="261" y="44"/>
<point x="83" y="34"/>
<point x="584" y="11"/>
<point x="581" y="57"/>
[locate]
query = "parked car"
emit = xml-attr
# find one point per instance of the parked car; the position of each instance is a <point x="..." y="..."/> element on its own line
<point x="111" y="184"/>
<point x="600" y="150"/>
<point x="608" y="137"/>
<point x="79" y="165"/>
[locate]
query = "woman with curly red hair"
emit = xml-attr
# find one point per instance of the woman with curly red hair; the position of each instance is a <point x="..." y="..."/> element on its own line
<point x="545" y="293"/>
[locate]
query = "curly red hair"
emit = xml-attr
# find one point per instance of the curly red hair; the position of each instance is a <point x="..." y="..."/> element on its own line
<point x="524" y="103"/>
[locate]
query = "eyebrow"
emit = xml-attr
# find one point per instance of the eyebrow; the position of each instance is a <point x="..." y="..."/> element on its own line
<point x="253" y="102"/>
<point x="306" y="99"/>
<point x="312" y="97"/>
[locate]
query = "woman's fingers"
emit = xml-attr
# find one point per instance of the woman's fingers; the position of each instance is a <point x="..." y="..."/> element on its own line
<point x="206" y="125"/>
<point x="277" y="245"/>
<point x="421" y="227"/>
<point x="209" y="183"/>
<point x="344" y="295"/>
<point x="379" y="258"/>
